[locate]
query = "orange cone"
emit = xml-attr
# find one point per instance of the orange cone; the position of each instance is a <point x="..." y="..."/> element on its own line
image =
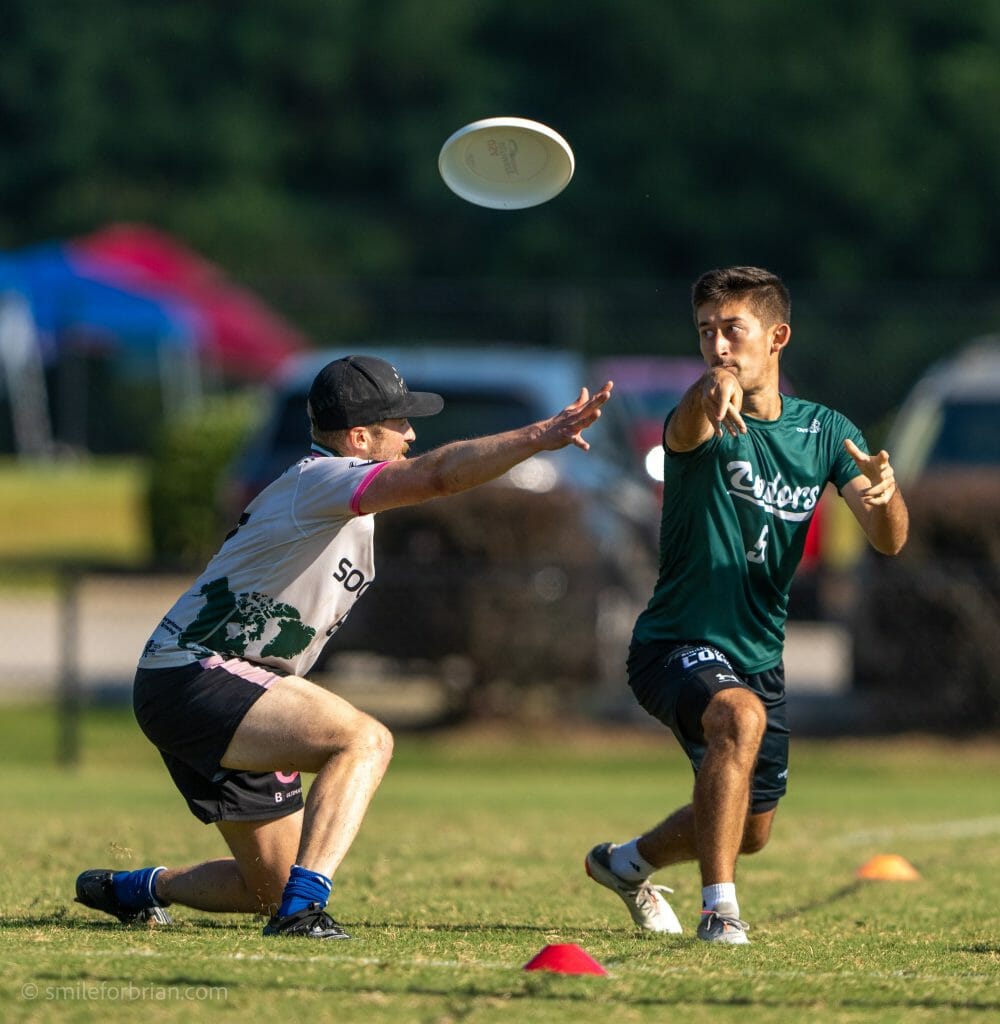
<point x="888" y="867"/>
<point x="564" y="958"/>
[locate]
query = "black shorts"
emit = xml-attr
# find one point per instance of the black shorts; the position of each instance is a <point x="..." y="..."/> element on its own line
<point x="675" y="682"/>
<point x="191" y="714"/>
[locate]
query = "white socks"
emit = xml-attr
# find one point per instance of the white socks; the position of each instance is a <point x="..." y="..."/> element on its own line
<point x="628" y="863"/>
<point x="722" y="892"/>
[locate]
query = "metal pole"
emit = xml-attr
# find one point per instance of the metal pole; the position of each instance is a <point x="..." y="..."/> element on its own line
<point x="69" y="702"/>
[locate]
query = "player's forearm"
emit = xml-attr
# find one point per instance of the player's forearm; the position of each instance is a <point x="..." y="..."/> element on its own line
<point x="888" y="525"/>
<point x="462" y="465"/>
<point x="450" y="469"/>
<point x="691" y="424"/>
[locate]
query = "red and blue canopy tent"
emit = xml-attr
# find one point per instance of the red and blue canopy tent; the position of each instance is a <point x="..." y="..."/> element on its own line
<point x="134" y="293"/>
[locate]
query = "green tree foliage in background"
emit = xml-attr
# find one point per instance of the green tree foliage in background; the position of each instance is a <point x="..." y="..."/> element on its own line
<point x="831" y="140"/>
<point x="184" y="499"/>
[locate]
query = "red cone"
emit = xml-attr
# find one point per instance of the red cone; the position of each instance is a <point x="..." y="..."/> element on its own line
<point x="564" y="958"/>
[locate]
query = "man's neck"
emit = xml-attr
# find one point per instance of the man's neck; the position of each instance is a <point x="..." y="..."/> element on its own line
<point x="763" y="404"/>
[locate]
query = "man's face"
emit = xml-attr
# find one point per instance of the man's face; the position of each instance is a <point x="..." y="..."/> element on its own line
<point x="730" y="335"/>
<point x="390" y="440"/>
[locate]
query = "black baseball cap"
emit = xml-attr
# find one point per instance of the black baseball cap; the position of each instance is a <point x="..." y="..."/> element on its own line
<point x="358" y="390"/>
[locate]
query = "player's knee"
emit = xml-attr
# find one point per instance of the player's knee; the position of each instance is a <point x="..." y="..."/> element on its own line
<point x="373" y="741"/>
<point x="757" y="833"/>
<point x="735" y="717"/>
<point x="754" y="842"/>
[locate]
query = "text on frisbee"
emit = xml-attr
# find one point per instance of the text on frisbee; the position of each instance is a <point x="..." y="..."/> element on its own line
<point x="506" y="163"/>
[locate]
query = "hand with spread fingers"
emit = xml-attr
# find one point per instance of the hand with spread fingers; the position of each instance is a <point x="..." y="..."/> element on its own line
<point x="567" y="427"/>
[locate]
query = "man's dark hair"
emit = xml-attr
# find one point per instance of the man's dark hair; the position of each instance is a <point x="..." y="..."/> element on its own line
<point x="764" y="292"/>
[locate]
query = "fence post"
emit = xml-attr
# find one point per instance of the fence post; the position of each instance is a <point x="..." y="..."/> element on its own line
<point x="69" y="699"/>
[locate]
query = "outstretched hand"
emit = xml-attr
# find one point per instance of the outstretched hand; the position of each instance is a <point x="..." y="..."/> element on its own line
<point x="567" y="427"/>
<point x="879" y="472"/>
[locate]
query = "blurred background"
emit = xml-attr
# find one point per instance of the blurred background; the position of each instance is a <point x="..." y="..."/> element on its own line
<point x="198" y="201"/>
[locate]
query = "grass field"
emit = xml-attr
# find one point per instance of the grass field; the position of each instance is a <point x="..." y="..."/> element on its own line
<point x="90" y="510"/>
<point x="471" y="861"/>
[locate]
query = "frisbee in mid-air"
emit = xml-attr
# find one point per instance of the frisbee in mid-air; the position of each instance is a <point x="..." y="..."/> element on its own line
<point x="506" y="163"/>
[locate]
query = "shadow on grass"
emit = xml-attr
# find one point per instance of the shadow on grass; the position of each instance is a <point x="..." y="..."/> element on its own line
<point x="817" y="904"/>
<point x="65" y="920"/>
<point x="478" y="927"/>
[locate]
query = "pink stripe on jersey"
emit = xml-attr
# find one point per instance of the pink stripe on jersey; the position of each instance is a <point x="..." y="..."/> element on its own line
<point x="363" y="486"/>
<point x="251" y="673"/>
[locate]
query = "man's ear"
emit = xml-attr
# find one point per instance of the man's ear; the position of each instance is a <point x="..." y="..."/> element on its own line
<point x="781" y="333"/>
<point x="359" y="439"/>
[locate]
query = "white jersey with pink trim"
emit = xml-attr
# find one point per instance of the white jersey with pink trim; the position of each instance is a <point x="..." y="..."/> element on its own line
<point x="284" y="579"/>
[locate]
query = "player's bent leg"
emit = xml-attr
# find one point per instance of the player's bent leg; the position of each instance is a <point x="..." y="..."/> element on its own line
<point x="672" y="841"/>
<point x="757" y="831"/>
<point x="265" y="852"/>
<point x="250" y="881"/>
<point x="297" y="726"/>
<point x="734" y="724"/>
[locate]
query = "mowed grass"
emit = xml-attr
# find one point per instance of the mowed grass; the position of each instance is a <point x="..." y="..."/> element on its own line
<point x="470" y="862"/>
<point x="90" y="510"/>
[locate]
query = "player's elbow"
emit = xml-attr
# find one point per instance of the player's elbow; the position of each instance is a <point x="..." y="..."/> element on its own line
<point x="889" y="542"/>
<point x="893" y="548"/>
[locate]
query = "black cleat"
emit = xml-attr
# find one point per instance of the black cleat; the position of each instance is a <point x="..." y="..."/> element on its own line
<point x="311" y="923"/>
<point x="94" y="889"/>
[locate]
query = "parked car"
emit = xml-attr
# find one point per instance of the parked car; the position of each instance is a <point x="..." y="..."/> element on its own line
<point x="646" y="389"/>
<point x="926" y="634"/>
<point x="534" y="578"/>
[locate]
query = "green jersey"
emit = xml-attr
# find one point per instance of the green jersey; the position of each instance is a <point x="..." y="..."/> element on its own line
<point x="735" y="515"/>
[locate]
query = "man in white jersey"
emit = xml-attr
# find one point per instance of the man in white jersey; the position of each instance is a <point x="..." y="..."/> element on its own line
<point x="745" y="466"/>
<point x="220" y="688"/>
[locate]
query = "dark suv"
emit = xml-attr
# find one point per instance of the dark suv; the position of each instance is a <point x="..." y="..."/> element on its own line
<point x="927" y="623"/>
<point x="533" y="579"/>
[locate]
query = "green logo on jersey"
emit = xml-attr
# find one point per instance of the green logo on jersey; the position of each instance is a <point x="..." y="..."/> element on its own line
<point x="228" y="623"/>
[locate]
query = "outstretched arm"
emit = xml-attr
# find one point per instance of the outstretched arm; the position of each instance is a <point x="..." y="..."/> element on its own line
<point x="876" y="502"/>
<point x="462" y="465"/>
<point x="710" y="406"/>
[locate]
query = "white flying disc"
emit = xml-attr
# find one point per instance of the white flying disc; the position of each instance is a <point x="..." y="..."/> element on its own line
<point x="506" y="163"/>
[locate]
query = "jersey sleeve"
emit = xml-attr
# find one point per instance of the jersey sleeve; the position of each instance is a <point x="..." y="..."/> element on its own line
<point x="845" y="469"/>
<point x="332" y="487"/>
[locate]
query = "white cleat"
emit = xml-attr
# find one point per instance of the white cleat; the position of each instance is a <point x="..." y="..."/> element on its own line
<point x="645" y="902"/>
<point x="722" y="925"/>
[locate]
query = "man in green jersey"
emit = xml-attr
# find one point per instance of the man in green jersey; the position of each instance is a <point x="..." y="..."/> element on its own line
<point x="745" y="467"/>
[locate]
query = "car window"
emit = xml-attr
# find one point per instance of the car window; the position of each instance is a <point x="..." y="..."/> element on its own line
<point x="968" y="435"/>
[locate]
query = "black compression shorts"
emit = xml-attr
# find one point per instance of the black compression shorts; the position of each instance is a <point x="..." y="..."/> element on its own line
<point x="675" y="682"/>
<point x="191" y="714"/>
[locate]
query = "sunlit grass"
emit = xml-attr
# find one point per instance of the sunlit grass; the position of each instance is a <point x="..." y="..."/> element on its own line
<point x="86" y="511"/>
<point x="470" y="862"/>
